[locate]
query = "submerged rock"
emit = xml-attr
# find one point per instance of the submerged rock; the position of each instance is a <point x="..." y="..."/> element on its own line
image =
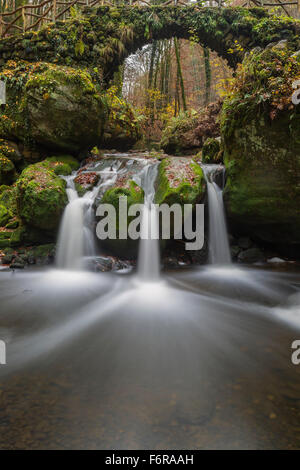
<point x="261" y="133"/>
<point x="252" y="255"/>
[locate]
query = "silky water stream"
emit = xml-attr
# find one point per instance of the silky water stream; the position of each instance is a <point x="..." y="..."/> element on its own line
<point x="200" y="358"/>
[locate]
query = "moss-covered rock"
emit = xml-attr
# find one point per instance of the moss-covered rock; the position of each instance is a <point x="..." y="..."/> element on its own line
<point x="7" y="170"/>
<point x="128" y="188"/>
<point x="181" y="181"/>
<point x="10" y="150"/>
<point x="211" y="151"/>
<point x="187" y="132"/>
<point x="124" y="186"/>
<point x="8" y="201"/>
<point x="178" y="135"/>
<point x="85" y="181"/>
<point x="41" y="196"/>
<point x="102" y="37"/>
<point x="122" y="129"/>
<point x="261" y="133"/>
<point x="63" y="165"/>
<point x="4" y="215"/>
<point x="50" y="106"/>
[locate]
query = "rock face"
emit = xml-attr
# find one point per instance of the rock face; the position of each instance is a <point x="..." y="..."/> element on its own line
<point x="121" y="130"/>
<point x="41" y="197"/>
<point x="7" y="170"/>
<point x="211" y="151"/>
<point x="188" y="132"/>
<point x="30" y="209"/>
<point x="261" y="132"/>
<point x="52" y="107"/>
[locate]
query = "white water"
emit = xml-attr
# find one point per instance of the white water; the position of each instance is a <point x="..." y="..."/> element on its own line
<point x="219" y="250"/>
<point x="76" y="236"/>
<point x="76" y="239"/>
<point x="149" y="255"/>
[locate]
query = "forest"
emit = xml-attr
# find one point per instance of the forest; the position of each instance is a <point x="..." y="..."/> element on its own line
<point x="149" y="225"/>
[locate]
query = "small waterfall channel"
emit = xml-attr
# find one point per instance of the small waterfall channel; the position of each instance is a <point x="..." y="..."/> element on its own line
<point x="76" y="239"/>
<point x="219" y="250"/>
<point x="149" y="255"/>
<point x="76" y="236"/>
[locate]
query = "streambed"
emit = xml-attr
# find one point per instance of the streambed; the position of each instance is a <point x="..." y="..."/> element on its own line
<point x="198" y="359"/>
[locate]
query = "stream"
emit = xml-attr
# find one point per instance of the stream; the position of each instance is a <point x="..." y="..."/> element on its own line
<point x="196" y="358"/>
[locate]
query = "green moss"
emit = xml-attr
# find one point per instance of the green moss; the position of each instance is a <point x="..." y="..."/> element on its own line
<point x="5" y="235"/>
<point x="7" y="170"/>
<point x="10" y="150"/>
<point x="175" y="136"/>
<point x="51" y="106"/>
<point x="261" y="132"/>
<point x="211" y="151"/>
<point x="41" y="197"/>
<point x="4" y="215"/>
<point x="13" y="224"/>
<point x="122" y="129"/>
<point x="98" y="39"/>
<point x="4" y="243"/>
<point x="180" y="181"/>
<point x="62" y="165"/>
<point x="133" y="192"/>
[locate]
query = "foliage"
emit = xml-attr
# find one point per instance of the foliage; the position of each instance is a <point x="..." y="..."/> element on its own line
<point x="263" y="84"/>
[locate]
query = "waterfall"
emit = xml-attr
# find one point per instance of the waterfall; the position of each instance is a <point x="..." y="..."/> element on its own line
<point x="76" y="235"/>
<point x="149" y="256"/>
<point x="219" y="251"/>
<point x="76" y="238"/>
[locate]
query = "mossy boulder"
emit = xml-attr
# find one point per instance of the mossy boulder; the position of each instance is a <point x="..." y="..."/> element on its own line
<point x="122" y="128"/>
<point x="85" y="181"/>
<point x="62" y="165"/>
<point x="52" y="107"/>
<point x="135" y="195"/>
<point x="10" y="150"/>
<point x="178" y="135"/>
<point x="41" y="196"/>
<point x="8" y="204"/>
<point x="4" y="215"/>
<point x="187" y="132"/>
<point x="181" y="181"/>
<point x="128" y="188"/>
<point x="7" y="170"/>
<point x="211" y="151"/>
<point x="261" y="132"/>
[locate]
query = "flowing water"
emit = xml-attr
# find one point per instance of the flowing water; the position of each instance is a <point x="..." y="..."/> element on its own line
<point x="149" y="256"/>
<point x="76" y="238"/>
<point x="219" y="251"/>
<point x="200" y="359"/>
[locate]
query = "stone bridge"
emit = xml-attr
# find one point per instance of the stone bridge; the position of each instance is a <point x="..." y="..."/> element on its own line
<point x="101" y="38"/>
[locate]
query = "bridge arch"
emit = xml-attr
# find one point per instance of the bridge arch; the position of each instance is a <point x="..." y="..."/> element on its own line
<point x="101" y="38"/>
